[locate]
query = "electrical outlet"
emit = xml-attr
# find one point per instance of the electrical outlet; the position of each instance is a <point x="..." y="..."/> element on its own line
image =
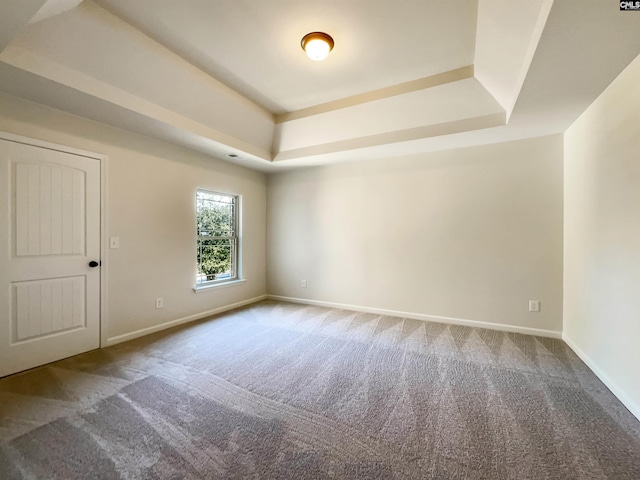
<point x="114" y="242"/>
<point x="159" y="302"/>
<point x="303" y="283"/>
<point x="534" y="305"/>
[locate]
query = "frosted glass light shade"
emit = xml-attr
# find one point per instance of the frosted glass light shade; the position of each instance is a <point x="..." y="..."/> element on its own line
<point x="317" y="45"/>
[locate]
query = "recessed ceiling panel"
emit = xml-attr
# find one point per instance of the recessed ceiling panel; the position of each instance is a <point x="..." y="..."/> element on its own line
<point x="432" y="106"/>
<point x="254" y="45"/>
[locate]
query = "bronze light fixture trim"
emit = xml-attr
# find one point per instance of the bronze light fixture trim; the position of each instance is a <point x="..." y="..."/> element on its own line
<point x="317" y="45"/>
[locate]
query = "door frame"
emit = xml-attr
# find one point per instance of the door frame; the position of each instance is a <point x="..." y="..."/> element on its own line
<point x="104" y="240"/>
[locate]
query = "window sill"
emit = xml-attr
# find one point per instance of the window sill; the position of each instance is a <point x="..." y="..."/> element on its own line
<point x="215" y="286"/>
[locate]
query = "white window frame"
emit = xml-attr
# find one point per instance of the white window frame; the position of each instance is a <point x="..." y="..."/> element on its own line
<point x="236" y="273"/>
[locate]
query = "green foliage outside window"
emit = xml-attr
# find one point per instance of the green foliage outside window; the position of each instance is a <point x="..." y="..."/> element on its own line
<point x="216" y="236"/>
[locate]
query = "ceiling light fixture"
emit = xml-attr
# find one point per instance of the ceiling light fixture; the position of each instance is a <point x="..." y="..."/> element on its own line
<point x="317" y="45"/>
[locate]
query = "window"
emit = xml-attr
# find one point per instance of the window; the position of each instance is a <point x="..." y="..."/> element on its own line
<point x="217" y="230"/>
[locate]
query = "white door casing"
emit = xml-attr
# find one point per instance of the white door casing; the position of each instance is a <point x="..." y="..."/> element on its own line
<point x="49" y="232"/>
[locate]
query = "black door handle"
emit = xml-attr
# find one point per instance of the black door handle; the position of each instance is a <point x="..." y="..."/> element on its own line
<point x="94" y="264"/>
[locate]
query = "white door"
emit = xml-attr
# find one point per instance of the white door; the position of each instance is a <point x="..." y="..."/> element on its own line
<point x="49" y="233"/>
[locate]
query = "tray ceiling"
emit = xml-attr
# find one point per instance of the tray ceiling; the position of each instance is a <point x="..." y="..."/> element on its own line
<point x="254" y="46"/>
<point x="404" y="78"/>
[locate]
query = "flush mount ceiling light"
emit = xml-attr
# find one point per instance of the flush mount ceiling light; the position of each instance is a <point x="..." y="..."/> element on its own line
<point x="317" y="45"/>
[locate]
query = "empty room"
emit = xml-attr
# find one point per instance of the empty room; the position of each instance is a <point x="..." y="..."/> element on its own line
<point x="291" y="239"/>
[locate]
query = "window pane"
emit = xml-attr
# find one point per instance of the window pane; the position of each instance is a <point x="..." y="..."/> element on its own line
<point x="217" y="236"/>
<point x="216" y="214"/>
<point x="215" y="259"/>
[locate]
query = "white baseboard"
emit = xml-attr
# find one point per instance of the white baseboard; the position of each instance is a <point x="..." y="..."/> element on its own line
<point x="173" y="323"/>
<point x="627" y="401"/>
<point x="427" y="318"/>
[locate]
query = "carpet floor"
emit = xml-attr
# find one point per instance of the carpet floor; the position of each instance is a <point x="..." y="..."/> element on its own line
<point x="283" y="391"/>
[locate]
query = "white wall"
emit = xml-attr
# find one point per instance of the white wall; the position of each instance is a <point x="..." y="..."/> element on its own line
<point x="472" y="233"/>
<point x="602" y="236"/>
<point x="151" y="207"/>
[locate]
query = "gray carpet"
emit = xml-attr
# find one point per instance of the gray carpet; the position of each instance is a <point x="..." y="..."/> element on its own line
<point x="284" y="391"/>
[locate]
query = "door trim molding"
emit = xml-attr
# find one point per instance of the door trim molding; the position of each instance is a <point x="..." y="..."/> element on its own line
<point x="104" y="241"/>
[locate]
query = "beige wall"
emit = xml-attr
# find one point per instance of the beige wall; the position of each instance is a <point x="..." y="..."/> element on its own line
<point x="151" y="207"/>
<point x="602" y="236"/>
<point x="472" y="233"/>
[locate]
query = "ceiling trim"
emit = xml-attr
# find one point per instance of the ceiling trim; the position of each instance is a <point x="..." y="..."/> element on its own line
<point x="33" y="63"/>
<point x="445" y="128"/>
<point x="14" y="16"/>
<point x="400" y="89"/>
<point x="51" y="8"/>
<point x="501" y="67"/>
